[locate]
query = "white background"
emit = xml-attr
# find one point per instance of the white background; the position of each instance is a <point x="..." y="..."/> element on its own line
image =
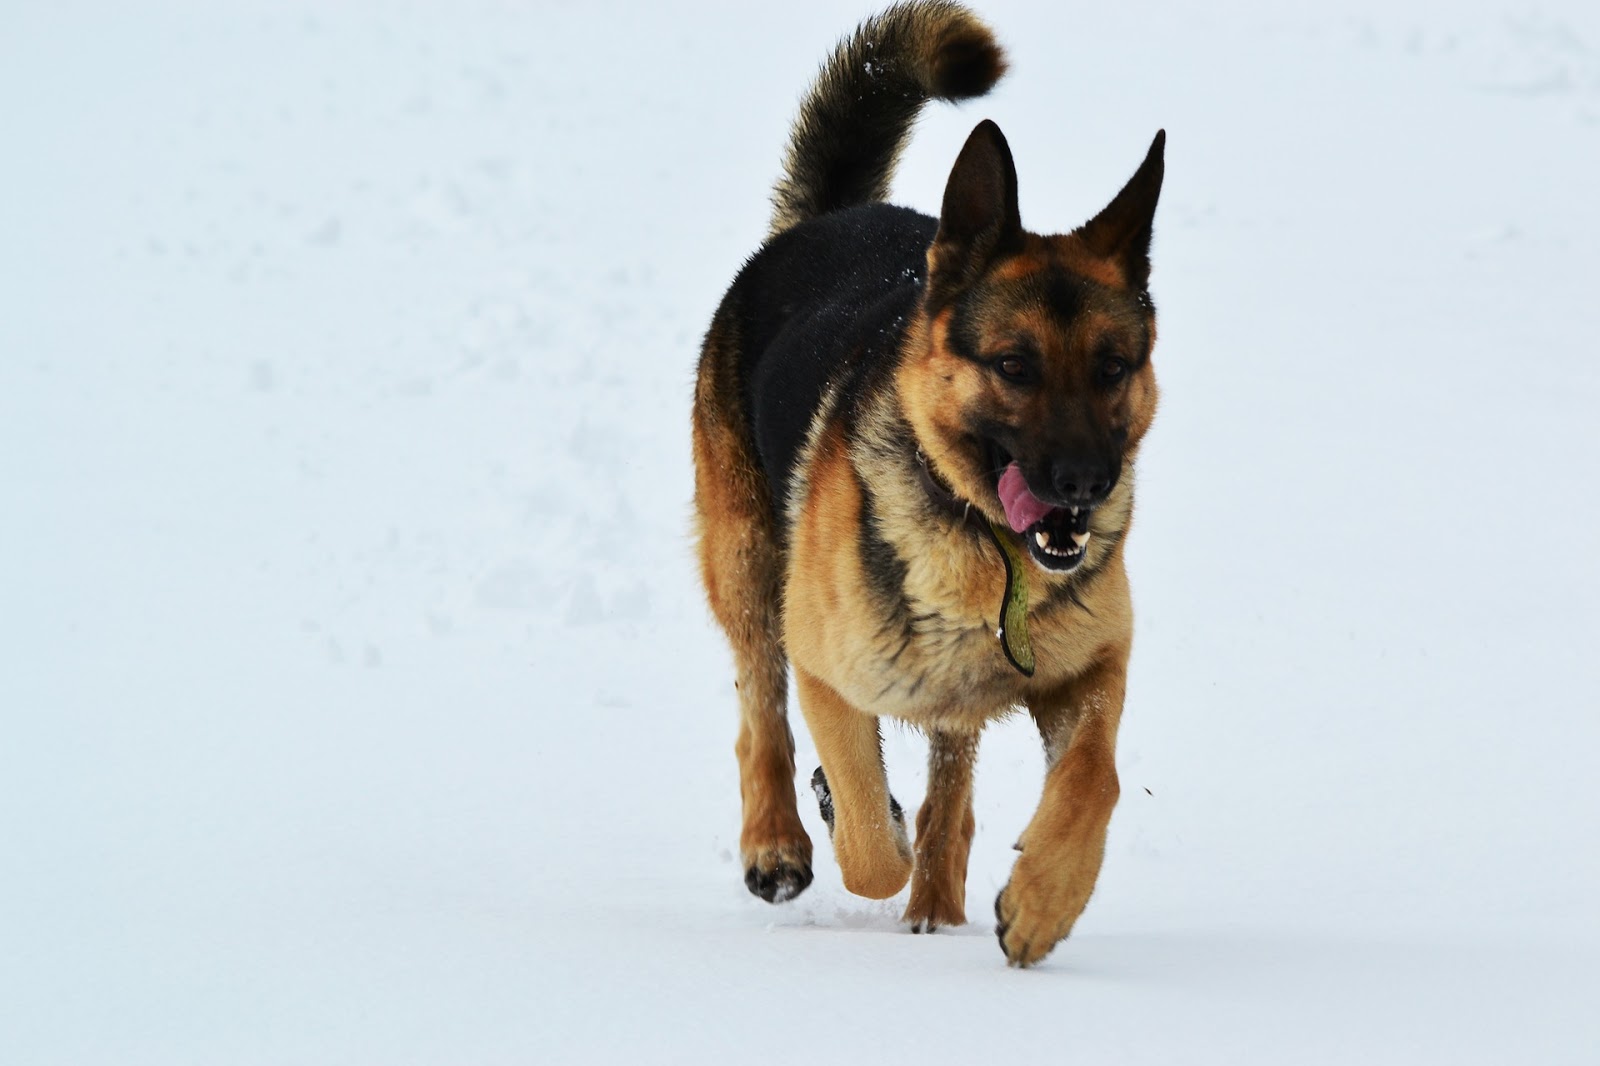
<point x="359" y="701"/>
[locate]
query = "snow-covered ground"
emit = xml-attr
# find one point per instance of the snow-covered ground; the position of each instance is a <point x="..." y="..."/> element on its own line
<point x="359" y="702"/>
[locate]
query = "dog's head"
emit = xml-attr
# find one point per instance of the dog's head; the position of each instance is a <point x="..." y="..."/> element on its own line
<point x="1029" y="383"/>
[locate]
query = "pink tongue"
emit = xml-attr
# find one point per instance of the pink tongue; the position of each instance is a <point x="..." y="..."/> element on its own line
<point x="1023" y="508"/>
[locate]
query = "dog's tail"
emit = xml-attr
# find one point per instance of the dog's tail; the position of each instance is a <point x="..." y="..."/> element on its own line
<point x="858" y="114"/>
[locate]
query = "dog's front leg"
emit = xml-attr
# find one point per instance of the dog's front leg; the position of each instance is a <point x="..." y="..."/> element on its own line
<point x="944" y="834"/>
<point x="869" y="842"/>
<point x="1064" y="844"/>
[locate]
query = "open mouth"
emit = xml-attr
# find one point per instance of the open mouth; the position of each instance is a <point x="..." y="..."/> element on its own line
<point x="1059" y="540"/>
<point x="1057" y="537"/>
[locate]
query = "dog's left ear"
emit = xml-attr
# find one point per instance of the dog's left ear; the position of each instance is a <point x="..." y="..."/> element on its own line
<point x="1122" y="231"/>
<point x="979" y="220"/>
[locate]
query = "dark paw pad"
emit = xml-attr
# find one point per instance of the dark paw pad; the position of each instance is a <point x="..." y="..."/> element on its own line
<point x="783" y="882"/>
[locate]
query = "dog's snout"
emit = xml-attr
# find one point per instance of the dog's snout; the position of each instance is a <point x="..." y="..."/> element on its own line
<point x="1080" y="481"/>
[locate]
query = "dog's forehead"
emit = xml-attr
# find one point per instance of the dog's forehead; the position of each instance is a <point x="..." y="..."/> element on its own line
<point x="1050" y="303"/>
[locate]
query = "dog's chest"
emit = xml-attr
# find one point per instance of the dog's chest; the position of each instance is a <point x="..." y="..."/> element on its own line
<point x="898" y="609"/>
<point x="925" y="651"/>
<point x="934" y="658"/>
<point x="937" y="670"/>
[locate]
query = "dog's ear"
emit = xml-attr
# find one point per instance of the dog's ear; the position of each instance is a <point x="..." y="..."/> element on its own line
<point x="1121" y="232"/>
<point x="979" y="219"/>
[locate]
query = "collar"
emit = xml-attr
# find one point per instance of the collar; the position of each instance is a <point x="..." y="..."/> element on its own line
<point x="942" y="498"/>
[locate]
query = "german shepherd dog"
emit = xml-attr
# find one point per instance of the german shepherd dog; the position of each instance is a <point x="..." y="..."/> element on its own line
<point x="913" y="443"/>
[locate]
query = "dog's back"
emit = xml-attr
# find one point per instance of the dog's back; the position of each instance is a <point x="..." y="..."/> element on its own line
<point x="821" y="309"/>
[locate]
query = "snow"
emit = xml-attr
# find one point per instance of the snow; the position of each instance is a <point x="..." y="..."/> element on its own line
<point x="360" y="702"/>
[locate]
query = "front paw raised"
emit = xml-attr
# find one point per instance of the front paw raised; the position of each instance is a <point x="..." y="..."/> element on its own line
<point x="873" y="853"/>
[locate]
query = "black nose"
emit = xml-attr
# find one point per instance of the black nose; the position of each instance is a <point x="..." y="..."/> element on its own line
<point x="1081" y="482"/>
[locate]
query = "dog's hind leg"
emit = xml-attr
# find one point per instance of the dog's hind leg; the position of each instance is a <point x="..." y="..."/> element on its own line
<point x="742" y="567"/>
<point x="944" y="834"/>
<point x="869" y="833"/>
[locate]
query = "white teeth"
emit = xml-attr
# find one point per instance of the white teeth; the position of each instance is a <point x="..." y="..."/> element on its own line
<point x="1042" y="539"/>
<point x="1074" y="512"/>
<point x="1080" y="539"/>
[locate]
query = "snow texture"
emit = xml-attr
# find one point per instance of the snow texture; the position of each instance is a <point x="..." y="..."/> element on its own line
<point x="360" y="702"/>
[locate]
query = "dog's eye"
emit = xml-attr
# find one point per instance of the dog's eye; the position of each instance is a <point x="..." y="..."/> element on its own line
<point x="1013" y="368"/>
<point x="1112" y="369"/>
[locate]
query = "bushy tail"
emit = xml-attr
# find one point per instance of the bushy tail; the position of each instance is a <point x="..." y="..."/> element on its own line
<point x="856" y="118"/>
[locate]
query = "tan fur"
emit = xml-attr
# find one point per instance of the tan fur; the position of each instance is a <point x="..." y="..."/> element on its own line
<point x="1068" y="250"/>
<point x="870" y="845"/>
<point x="741" y="568"/>
<point x="945" y="826"/>
<point x="833" y="629"/>
<point x="1064" y="844"/>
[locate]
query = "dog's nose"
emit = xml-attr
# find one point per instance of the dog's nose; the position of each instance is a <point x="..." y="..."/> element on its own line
<point x="1081" y="482"/>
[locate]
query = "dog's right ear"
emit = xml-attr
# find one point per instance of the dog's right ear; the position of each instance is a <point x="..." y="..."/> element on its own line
<point x="979" y="219"/>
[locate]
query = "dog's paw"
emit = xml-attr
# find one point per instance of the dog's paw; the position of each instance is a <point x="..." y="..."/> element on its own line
<point x="1026" y="936"/>
<point x="779" y="872"/>
<point x="874" y="856"/>
<point x="1037" y="908"/>
<point x="930" y="909"/>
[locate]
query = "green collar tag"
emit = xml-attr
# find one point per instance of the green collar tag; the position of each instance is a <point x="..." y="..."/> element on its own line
<point x="1014" y="607"/>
